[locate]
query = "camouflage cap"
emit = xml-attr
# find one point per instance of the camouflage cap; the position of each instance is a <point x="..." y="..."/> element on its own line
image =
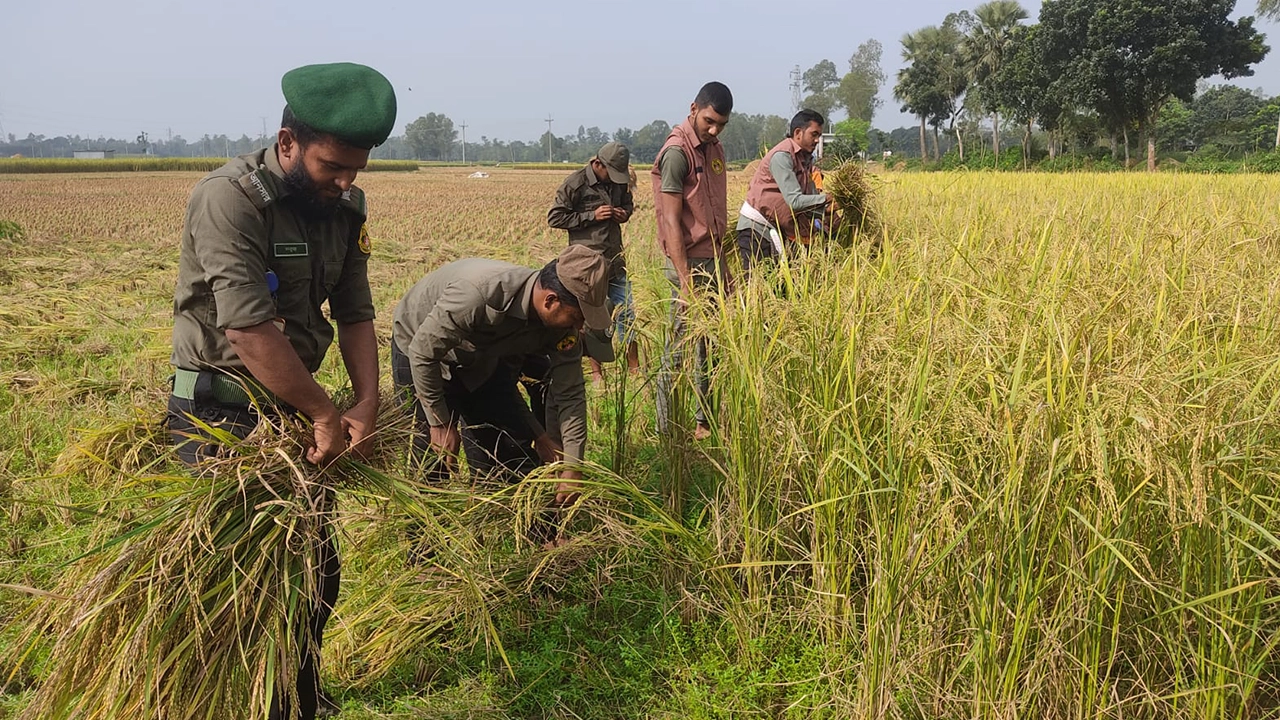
<point x="354" y="103"/>
<point x="585" y="273"/>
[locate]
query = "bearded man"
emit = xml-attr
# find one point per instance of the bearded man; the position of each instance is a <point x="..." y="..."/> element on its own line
<point x="268" y="239"/>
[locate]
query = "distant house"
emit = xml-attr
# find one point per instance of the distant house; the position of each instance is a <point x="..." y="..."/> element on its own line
<point x="93" y="154"/>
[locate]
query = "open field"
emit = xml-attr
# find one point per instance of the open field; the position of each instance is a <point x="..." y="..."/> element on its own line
<point x="20" y="165"/>
<point x="1022" y="465"/>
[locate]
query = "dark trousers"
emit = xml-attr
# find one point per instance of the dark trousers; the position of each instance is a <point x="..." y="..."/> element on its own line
<point x="495" y="437"/>
<point x="754" y="248"/>
<point x="194" y="447"/>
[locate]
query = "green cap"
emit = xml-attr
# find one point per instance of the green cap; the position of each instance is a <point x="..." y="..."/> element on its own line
<point x="354" y="103"/>
<point x="616" y="158"/>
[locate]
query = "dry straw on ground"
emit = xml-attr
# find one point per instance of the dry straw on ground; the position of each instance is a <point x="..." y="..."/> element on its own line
<point x="194" y="605"/>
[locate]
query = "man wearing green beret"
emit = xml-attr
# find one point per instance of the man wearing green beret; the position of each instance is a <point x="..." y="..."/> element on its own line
<point x="268" y="239"/>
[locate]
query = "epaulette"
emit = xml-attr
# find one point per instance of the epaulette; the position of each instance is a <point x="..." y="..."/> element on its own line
<point x="353" y="200"/>
<point x="258" y="186"/>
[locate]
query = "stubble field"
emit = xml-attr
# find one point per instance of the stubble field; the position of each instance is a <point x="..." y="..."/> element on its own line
<point x="1023" y="464"/>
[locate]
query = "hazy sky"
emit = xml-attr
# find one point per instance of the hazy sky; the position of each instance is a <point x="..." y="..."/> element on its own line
<point x="115" y="68"/>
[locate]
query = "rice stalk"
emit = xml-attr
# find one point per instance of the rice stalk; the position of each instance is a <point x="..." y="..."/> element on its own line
<point x="852" y="190"/>
<point x="200" y="608"/>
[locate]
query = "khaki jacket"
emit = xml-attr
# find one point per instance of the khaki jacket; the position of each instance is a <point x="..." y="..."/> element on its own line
<point x="242" y="223"/>
<point x="575" y="207"/>
<point x="460" y="321"/>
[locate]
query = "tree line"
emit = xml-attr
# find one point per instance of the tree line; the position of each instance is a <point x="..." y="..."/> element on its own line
<point x="432" y="137"/>
<point x="1119" y="69"/>
<point x="63" y="146"/>
<point x="1089" y="74"/>
<point x="435" y="136"/>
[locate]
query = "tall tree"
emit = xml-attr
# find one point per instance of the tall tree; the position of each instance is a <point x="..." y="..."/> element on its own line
<point x="1023" y="88"/>
<point x="989" y="42"/>
<point x="953" y="74"/>
<point x="1224" y="115"/>
<point x="818" y="84"/>
<point x="857" y="90"/>
<point x="431" y="136"/>
<point x="931" y="84"/>
<point x="1127" y="58"/>
<point x="648" y="141"/>
<point x="1270" y="10"/>
<point x="914" y="86"/>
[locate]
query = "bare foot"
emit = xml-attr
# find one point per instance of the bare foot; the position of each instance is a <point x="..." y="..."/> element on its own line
<point x="633" y="358"/>
<point x="702" y="432"/>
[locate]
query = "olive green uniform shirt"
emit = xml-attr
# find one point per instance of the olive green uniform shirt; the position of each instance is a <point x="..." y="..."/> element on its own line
<point x="463" y="319"/>
<point x="575" y="208"/>
<point x="242" y="222"/>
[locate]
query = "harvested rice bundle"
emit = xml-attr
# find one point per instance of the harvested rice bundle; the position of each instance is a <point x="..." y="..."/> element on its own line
<point x="201" y="609"/>
<point x="850" y="186"/>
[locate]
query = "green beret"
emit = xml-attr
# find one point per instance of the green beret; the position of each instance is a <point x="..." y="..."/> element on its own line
<point x="354" y="103"/>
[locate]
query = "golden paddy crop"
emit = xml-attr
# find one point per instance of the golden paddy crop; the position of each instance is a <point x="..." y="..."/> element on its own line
<point x="1023" y="464"/>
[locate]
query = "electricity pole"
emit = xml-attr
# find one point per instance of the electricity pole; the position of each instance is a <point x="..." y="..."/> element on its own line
<point x="550" y="138"/>
<point x="795" y="88"/>
<point x="464" y="143"/>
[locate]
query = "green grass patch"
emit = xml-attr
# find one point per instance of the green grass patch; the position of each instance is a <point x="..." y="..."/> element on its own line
<point x="10" y="230"/>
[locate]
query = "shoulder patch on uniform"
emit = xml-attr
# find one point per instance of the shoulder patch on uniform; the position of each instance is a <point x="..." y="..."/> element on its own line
<point x="257" y="185"/>
<point x="363" y="242"/>
<point x="353" y="199"/>
<point x="567" y="342"/>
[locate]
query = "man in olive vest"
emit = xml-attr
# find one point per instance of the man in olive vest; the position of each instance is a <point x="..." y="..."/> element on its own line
<point x="690" y="192"/>
<point x="782" y="202"/>
<point x="268" y="239"/>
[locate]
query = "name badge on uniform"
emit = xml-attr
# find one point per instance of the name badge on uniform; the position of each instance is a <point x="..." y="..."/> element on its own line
<point x="283" y="250"/>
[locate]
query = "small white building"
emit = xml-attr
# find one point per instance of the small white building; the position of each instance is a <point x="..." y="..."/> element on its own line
<point x="93" y="154"/>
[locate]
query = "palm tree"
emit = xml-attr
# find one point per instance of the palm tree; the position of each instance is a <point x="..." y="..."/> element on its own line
<point x="985" y="49"/>
<point x="928" y="86"/>
<point x="908" y="90"/>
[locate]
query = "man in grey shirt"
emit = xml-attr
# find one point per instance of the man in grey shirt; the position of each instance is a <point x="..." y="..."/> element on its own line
<point x="782" y="202"/>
